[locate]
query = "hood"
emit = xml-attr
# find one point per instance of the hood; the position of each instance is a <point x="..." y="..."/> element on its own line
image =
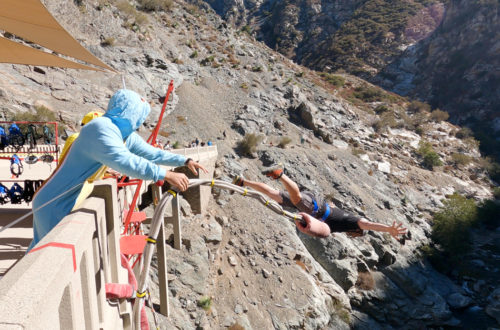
<point x="127" y="110"/>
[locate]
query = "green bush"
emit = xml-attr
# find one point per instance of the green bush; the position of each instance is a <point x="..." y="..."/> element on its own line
<point x="373" y="29"/>
<point x="194" y="54"/>
<point x="335" y="80"/>
<point x="494" y="171"/>
<point x="451" y="225"/>
<point x="368" y="94"/>
<point x="176" y="145"/>
<point x="41" y="114"/>
<point x="430" y="158"/>
<point x="496" y="192"/>
<point x="381" y="109"/>
<point x="205" y="303"/>
<point x="249" y="143"/>
<point x="208" y="60"/>
<point x="489" y="213"/>
<point x="439" y="115"/>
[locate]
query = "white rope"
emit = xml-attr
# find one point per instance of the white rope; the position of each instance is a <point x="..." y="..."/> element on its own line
<point x="123" y="82"/>
<point x="158" y="219"/>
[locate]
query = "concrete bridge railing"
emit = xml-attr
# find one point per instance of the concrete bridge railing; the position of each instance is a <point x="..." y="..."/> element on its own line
<point x="60" y="284"/>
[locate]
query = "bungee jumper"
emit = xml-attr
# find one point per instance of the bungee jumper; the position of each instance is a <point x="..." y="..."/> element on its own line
<point x="319" y="218"/>
<point x="111" y="141"/>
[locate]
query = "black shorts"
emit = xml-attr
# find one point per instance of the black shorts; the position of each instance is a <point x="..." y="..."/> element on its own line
<point x="342" y="221"/>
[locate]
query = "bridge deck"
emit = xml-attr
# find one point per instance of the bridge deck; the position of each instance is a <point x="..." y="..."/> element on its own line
<point x="15" y="240"/>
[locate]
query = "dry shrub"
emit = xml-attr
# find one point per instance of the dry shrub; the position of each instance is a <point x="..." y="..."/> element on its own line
<point x="357" y="151"/>
<point x="284" y="142"/>
<point x="386" y="120"/>
<point x="233" y="60"/>
<point x="365" y="281"/>
<point x="460" y="159"/>
<point x="463" y="133"/>
<point x="418" y="107"/>
<point x="164" y="133"/>
<point x="126" y="8"/>
<point x="192" y="9"/>
<point x="439" y="115"/>
<point x="249" y="143"/>
<point x="236" y="326"/>
<point x="110" y="41"/>
<point x="155" y="5"/>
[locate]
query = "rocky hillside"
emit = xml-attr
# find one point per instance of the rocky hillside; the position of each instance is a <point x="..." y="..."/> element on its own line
<point x="444" y="52"/>
<point x="456" y="68"/>
<point x="247" y="266"/>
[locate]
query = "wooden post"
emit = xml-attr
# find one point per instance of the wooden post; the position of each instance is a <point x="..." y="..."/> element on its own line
<point x="175" y="220"/>
<point x="161" y="252"/>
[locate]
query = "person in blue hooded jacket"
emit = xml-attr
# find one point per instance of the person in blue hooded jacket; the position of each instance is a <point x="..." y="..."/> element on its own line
<point x="106" y="141"/>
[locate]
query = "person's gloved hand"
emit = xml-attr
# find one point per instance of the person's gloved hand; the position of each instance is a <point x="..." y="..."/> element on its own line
<point x="313" y="226"/>
<point x="179" y="180"/>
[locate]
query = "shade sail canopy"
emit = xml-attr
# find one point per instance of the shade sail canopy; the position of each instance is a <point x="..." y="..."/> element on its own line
<point x="15" y="53"/>
<point x="30" y="20"/>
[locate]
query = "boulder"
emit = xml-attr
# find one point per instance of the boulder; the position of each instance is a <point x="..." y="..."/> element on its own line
<point x="457" y="300"/>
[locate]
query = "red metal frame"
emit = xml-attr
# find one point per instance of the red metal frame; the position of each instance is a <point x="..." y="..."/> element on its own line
<point x="151" y="140"/>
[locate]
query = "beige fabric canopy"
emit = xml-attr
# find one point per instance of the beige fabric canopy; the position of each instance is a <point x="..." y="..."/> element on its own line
<point x="30" y="20"/>
<point x="15" y="53"/>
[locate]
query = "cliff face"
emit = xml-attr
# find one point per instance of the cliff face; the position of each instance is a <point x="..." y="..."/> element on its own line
<point x="445" y="53"/>
<point x="457" y="67"/>
<point x="259" y="272"/>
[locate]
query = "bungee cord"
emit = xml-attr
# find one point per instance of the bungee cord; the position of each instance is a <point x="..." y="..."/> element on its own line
<point x="157" y="220"/>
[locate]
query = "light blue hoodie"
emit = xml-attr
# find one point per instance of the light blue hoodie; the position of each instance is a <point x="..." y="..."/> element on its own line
<point x="101" y="142"/>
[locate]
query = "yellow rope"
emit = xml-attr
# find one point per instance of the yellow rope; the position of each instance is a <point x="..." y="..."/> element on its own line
<point x="171" y="192"/>
<point x="213" y="183"/>
<point x="245" y="192"/>
<point x="149" y="239"/>
<point x="141" y="295"/>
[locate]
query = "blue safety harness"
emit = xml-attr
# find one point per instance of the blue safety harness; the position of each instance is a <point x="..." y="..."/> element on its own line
<point x="327" y="210"/>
